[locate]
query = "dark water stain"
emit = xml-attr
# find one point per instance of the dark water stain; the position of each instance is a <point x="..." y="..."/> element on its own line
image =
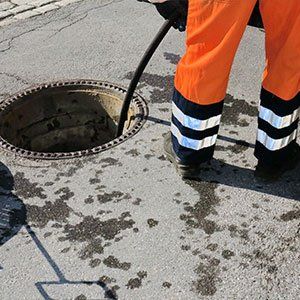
<point x="142" y="274"/>
<point x="196" y="216"/>
<point x="236" y="232"/>
<point x="167" y="285"/>
<point x="109" y="162"/>
<point x="137" y="201"/>
<point x="185" y="247"/>
<point x="114" y="263"/>
<point x="95" y="263"/>
<point x="90" y="227"/>
<point x="94" y="247"/>
<point x="172" y="58"/>
<point x="239" y="147"/>
<point x="291" y="215"/>
<point x="94" y="181"/>
<point x="115" y="196"/>
<point x="89" y="200"/>
<point x="108" y="197"/>
<point x="152" y="223"/>
<point x="104" y="212"/>
<point x="212" y="247"/>
<point x="26" y="189"/>
<point x="107" y="280"/>
<point x="227" y="254"/>
<point x="40" y="216"/>
<point x="133" y="153"/>
<point x="233" y="108"/>
<point x="76" y="165"/>
<point x="64" y="193"/>
<point x="148" y="156"/>
<point x="208" y="272"/>
<point x="92" y="232"/>
<point x="135" y="283"/>
<point x="162" y="86"/>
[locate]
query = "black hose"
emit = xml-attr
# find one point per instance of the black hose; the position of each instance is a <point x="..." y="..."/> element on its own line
<point x="139" y="71"/>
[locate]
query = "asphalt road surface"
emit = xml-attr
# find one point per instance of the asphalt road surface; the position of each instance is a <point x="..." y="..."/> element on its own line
<point x="121" y="224"/>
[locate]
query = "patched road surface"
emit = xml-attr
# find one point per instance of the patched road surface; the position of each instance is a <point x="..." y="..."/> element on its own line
<point x="121" y="224"/>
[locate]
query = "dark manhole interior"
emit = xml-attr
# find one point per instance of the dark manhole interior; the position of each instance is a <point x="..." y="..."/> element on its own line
<point x="67" y="119"/>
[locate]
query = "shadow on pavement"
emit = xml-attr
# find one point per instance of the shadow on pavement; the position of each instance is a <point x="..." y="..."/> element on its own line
<point x="13" y="217"/>
<point x="230" y="175"/>
<point x="234" y="176"/>
<point x="12" y="209"/>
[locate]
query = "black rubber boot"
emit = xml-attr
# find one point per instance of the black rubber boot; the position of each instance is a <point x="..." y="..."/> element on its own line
<point x="184" y="170"/>
<point x="272" y="172"/>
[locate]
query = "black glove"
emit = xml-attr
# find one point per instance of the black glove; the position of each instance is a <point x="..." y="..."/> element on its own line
<point x="174" y="9"/>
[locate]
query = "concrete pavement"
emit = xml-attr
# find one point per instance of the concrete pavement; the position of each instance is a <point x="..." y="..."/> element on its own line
<point x="122" y="224"/>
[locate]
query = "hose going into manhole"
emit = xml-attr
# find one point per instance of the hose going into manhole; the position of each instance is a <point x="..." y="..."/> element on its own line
<point x="139" y="72"/>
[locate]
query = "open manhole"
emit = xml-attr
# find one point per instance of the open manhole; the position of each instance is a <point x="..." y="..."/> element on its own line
<point x="67" y="119"/>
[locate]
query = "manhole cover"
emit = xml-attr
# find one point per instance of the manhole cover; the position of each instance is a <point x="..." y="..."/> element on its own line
<point x="67" y="119"/>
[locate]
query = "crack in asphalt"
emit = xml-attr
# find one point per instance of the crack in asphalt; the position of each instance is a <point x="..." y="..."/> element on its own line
<point x="14" y="76"/>
<point x="12" y="39"/>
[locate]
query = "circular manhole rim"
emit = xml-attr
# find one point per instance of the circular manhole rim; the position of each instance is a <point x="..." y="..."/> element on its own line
<point x="138" y="103"/>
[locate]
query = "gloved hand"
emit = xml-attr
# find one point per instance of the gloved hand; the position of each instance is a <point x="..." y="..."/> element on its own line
<point x="170" y="8"/>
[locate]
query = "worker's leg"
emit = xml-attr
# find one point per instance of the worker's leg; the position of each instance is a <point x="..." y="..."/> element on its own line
<point x="214" y="30"/>
<point x="280" y="97"/>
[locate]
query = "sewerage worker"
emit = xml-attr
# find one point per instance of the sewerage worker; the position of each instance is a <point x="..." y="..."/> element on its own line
<point x="214" y="31"/>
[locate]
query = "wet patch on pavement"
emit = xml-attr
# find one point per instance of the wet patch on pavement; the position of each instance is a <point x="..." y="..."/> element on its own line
<point x="96" y="233"/>
<point x="152" y="223"/>
<point x="26" y="189"/>
<point x="115" y="196"/>
<point x="167" y="285"/>
<point x="227" y="254"/>
<point x="114" y="263"/>
<point x="135" y="283"/>
<point x="172" y="58"/>
<point x="40" y="216"/>
<point x="291" y="215"/>
<point x="208" y="272"/>
<point x="233" y="108"/>
<point x="241" y="233"/>
<point x="237" y="148"/>
<point x="195" y="218"/>
<point x="162" y="86"/>
<point x="196" y="215"/>
<point x="133" y="153"/>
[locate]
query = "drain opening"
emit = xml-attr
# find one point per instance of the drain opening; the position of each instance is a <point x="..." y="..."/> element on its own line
<point x="67" y="119"/>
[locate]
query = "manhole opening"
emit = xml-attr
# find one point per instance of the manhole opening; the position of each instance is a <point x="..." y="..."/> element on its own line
<point x="67" y="119"/>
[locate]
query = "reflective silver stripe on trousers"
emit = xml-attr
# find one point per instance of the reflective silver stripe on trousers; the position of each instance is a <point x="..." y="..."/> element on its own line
<point x="191" y="143"/>
<point x="193" y="123"/>
<point x="272" y="144"/>
<point x="276" y="121"/>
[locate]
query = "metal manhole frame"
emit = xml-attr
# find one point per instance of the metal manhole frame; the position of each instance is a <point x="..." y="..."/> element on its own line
<point x="139" y="104"/>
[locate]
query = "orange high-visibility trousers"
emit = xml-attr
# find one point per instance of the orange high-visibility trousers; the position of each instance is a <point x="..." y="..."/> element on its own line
<point x="214" y="31"/>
